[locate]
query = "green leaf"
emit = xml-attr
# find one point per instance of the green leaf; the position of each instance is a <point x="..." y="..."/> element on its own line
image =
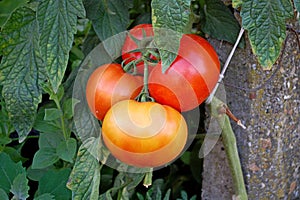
<point x="57" y="21"/>
<point x="170" y="19"/>
<point x="7" y="7"/>
<point x="45" y="126"/>
<point x="4" y="139"/>
<point x="54" y="183"/>
<point x="297" y="6"/>
<point x="45" y="196"/>
<point x="8" y="171"/>
<point x="185" y="158"/>
<point x="37" y="174"/>
<point x="68" y="107"/>
<point x="3" y="195"/>
<point x="167" y="195"/>
<point x="14" y="154"/>
<point x="20" y="187"/>
<point x="44" y="157"/>
<point x="125" y="184"/>
<point x="52" y="114"/>
<point x="108" y="17"/>
<point x="50" y="140"/>
<point x="218" y="18"/>
<point x="184" y="195"/>
<point x="265" y="22"/>
<point x="237" y="3"/>
<point x="6" y="126"/>
<point x="84" y="180"/>
<point x="21" y="69"/>
<point x="196" y="164"/>
<point x="66" y="150"/>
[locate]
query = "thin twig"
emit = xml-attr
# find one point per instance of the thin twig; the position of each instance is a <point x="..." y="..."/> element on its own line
<point x="212" y="94"/>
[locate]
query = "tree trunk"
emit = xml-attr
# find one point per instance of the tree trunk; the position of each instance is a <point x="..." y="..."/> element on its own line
<point x="268" y="102"/>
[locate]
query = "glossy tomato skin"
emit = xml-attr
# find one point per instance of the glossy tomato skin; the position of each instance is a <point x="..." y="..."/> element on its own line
<point x="190" y="78"/>
<point x="140" y="32"/>
<point x="109" y="84"/>
<point x="144" y="134"/>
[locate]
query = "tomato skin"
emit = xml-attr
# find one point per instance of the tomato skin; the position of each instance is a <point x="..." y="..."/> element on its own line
<point x="190" y="78"/>
<point x="144" y="134"/>
<point x="140" y="32"/>
<point x="109" y="84"/>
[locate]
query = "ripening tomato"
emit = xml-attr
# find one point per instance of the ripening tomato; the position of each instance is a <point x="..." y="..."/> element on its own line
<point x="131" y="50"/>
<point x="190" y="78"/>
<point x="109" y="84"/>
<point x="144" y="134"/>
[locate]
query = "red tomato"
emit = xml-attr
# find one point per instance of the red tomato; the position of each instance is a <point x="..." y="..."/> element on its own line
<point x="143" y="33"/>
<point x="190" y="78"/>
<point x="109" y="84"/>
<point x="144" y="134"/>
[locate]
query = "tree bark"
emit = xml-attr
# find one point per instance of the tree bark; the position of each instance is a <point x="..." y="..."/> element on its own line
<point x="268" y="102"/>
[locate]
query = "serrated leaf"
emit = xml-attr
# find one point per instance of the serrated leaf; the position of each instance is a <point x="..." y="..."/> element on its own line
<point x="84" y="180"/>
<point x="21" y="69"/>
<point x="297" y="6"/>
<point x="45" y="196"/>
<point x="52" y="114"/>
<point x="108" y="17"/>
<point x="7" y="7"/>
<point x="54" y="183"/>
<point x="265" y="22"/>
<point x="125" y="183"/>
<point x="20" y="187"/>
<point x="66" y="150"/>
<point x="218" y="18"/>
<point x="44" y="158"/>
<point x="57" y="21"/>
<point x="170" y="19"/>
<point x="8" y="171"/>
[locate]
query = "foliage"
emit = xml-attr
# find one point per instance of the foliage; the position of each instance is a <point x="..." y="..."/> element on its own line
<point x="42" y="46"/>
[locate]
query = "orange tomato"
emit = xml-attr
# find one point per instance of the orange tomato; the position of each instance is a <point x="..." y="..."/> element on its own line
<point x="144" y="134"/>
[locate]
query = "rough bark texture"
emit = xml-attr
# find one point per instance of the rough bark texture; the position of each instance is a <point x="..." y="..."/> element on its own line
<point x="270" y="146"/>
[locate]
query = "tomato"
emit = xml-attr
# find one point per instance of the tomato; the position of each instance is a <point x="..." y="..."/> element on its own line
<point x="190" y="78"/>
<point x="109" y="84"/>
<point x="143" y="33"/>
<point x="144" y="134"/>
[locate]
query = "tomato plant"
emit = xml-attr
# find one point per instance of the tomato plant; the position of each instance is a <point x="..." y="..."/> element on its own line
<point x="190" y="78"/>
<point x="109" y="84"/>
<point x="144" y="134"/>
<point x="135" y="44"/>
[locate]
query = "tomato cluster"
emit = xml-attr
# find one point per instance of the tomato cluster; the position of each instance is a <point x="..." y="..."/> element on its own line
<point x="151" y="134"/>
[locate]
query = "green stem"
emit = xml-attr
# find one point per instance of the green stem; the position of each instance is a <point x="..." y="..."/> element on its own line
<point x="148" y="178"/>
<point x="62" y="120"/>
<point x="229" y="141"/>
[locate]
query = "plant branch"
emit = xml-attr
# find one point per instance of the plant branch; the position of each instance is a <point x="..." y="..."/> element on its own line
<point x="62" y="119"/>
<point x="229" y="142"/>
